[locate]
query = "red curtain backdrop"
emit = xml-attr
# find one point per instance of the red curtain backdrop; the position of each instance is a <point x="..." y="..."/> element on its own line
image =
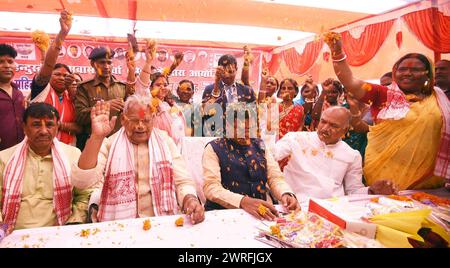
<point x="432" y="28"/>
<point x="301" y="63"/>
<point x="274" y="64"/>
<point x="399" y="39"/>
<point x="360" y="51"/>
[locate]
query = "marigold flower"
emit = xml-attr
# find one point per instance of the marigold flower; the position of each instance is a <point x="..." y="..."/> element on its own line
<point x="331" y="37"/>
<point x="41" y="39"/>
<point x="85" y="232"/>
<point x="262" y="210"/>
<point x="275" y="230"/>
<point x="212" y="112"/>
<point x="154" y="92"/>
<point x="367" y="87"/>
<point x="166" y="71"/>
<point x="421" y="196"/>
<point x="146" y="225"/>
<point x="179" y="222"/>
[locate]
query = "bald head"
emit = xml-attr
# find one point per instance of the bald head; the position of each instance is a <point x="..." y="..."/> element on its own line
<point x="342" y="115"/>
<point x="333" y="124"/>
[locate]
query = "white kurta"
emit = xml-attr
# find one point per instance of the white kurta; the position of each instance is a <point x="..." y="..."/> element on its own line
<point x="319" y="170"/>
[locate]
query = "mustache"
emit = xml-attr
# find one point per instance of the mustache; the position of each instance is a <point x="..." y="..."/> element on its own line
<point x="43" y="136"/>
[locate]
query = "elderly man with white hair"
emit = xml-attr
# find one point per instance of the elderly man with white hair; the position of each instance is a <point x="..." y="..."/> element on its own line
<point x="321" y="165"/>
<point x="139" y="169"/>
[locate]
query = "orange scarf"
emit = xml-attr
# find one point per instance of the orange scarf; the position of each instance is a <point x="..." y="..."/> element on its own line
<point x="66" y="112"/>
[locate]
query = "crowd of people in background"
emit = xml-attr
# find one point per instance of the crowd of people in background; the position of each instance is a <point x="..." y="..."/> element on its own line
<point x="101" y="149"/>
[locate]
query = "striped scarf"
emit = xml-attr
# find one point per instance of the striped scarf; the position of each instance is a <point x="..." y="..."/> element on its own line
<point x="442" y="167"/>
<point x="119" y="194"/>
<point x="13" y="180"/>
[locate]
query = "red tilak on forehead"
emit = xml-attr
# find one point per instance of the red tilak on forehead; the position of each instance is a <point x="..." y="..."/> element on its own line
<point x="141" y="113"/>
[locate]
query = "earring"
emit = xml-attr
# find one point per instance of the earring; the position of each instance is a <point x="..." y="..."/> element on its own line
<point x="425" y="88"/>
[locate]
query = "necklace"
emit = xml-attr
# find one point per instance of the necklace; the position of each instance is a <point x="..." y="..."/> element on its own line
<point x="286" y="106"/>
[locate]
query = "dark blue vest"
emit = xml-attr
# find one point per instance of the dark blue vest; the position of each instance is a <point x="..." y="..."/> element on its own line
<point x="243" y="169"/>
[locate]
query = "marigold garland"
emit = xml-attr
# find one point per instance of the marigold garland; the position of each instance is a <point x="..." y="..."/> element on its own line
<point x="41" y="39"/>
<point x="421" y="196"/>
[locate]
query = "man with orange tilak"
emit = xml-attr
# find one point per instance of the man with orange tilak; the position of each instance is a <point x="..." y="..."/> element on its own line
<point x="102" y="87"/>
<point x="140" y="172"/>
<point x="36" y="175"/>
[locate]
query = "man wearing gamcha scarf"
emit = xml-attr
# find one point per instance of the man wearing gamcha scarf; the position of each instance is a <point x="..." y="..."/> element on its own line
<point x="35" y="176"/>
<point x="144" y="174"/>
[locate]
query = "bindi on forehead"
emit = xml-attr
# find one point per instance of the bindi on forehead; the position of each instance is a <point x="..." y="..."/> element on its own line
<point x="41" y="121"/>
<point x="409" y="63"/>
<point x="141" y="113"/>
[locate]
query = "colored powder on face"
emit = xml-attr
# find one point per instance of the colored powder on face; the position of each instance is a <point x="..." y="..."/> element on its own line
<point x="367" y="87"/>
<point x="141" y="113"/>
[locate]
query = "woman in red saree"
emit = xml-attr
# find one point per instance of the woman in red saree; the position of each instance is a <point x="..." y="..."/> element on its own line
<point x="291" y="117"/>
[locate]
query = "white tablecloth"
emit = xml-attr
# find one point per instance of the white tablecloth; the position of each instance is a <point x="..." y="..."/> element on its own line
<point x="221" y="229"/>
<point x="192" y="152"/>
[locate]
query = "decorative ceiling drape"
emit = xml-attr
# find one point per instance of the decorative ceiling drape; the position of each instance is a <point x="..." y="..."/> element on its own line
<point x="361" y="50"/>
<point x="361" y="44"/>
<point x="274" y="64"/>
<point x="301" y="63"/>
<point x="432" y="28"/>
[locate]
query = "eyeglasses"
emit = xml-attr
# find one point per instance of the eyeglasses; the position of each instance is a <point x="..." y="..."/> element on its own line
<point x="413" y="70"/>
<point x="135" y="121"/>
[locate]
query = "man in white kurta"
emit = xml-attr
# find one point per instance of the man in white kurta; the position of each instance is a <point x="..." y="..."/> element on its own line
<point x="320" y="164"/>
<point x="139" y="170"/>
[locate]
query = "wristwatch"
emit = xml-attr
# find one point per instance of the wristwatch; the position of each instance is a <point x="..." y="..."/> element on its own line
<point x="90" y="210"/>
